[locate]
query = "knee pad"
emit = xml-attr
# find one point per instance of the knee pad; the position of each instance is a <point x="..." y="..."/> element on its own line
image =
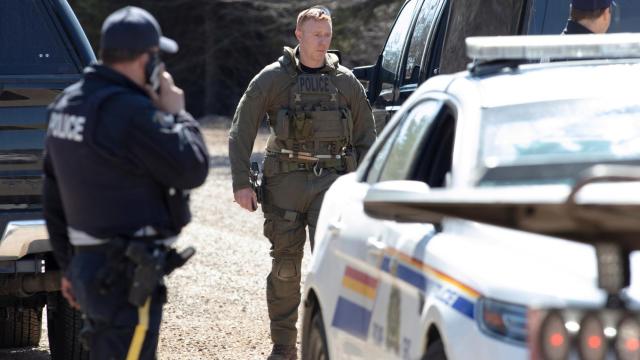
<point x="286" y="269"/>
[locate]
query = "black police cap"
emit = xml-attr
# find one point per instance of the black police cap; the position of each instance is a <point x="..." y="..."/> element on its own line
<point x="133" y="28"/>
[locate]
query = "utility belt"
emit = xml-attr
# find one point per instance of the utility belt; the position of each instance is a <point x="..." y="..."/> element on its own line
<point x="143" y="262"/>
<point x="290" y="161"/>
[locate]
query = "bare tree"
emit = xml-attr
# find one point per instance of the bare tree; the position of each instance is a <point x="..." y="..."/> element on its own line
<point x="224" y="43"/>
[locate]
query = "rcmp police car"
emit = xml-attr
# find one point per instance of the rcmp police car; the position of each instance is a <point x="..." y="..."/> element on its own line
<point x="391" y="281"/>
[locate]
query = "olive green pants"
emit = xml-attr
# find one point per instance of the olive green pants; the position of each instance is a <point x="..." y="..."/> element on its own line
<point x="292" y="204"/>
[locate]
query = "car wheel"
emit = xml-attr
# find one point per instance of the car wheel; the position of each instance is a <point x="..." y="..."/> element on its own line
<point x="20" y="327"/>
<point x="314" y="346"/>
<point x="435" y="351"/>
<point x="64" y="324"/>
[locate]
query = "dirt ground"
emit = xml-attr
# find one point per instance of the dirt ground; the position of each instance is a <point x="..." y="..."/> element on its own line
<point x="217" y="307"/>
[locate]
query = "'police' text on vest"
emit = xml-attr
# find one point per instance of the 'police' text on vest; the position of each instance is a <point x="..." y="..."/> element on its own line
<point x="313" y="84"/>
<point x="66" y="126"/>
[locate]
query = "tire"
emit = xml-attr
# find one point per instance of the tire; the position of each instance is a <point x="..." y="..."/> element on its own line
<point x="435" y="351"/>
<point x="314" y="346"/>
<point x="64" y="324"/>
<point x="20" y="327"/>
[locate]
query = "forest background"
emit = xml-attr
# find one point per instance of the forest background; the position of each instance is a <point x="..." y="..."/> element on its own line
<point x="225" y="43"/>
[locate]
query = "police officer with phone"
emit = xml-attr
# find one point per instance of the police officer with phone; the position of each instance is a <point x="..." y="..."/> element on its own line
<point x="121" y="154"/>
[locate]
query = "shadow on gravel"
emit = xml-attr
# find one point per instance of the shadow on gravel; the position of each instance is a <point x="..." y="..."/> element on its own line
<point x="222" y="161"/>
<point x="24" y="354"/>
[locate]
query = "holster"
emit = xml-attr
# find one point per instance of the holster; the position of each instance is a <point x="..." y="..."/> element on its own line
<point x="152" y="263"/>
<point x="256" y="181"/>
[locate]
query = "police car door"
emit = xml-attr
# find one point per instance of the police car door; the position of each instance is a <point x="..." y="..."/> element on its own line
<point x="401" y="287"/>
<point x="351" y="251"/>
<point x="430" y="162"/>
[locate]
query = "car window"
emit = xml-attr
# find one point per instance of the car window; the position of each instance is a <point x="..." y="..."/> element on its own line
<point x="541" y="142"/>
<point x="435" y="54"/>
<point x="410" y="137"/>
<point x="392" y="53"/>
<point x="418" y="42"/>
<point x="577" y="130"/>
<point x="378" y="162"/>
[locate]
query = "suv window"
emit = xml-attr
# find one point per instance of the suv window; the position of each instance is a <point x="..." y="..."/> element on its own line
<point x="410" y="136"/>
<point x="418" y="42"/>
<point x="392" y="53"/>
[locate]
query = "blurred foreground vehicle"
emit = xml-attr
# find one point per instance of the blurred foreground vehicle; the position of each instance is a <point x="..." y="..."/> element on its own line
<point x="427" y="39"/>
<point x="404" y="267"/>
<point x="42" y="51"/>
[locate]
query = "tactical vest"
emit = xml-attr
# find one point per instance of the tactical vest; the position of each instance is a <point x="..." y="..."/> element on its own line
<point x="316" y="127"/>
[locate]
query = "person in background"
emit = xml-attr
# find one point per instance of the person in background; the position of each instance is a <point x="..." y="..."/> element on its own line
<point x="589" y="17"/>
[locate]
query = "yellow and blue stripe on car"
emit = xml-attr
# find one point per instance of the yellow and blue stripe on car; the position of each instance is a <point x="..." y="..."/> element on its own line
<point x="355" y="304"/>
<point x="416" y="273"/>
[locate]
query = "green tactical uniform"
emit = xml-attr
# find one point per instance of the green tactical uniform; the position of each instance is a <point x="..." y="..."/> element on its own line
<point x="321" y="127"/>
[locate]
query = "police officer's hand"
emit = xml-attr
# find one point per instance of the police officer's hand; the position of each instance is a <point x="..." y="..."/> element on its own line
<point x="67" y="292"/>
<point x="246" y="198"/>
<point x="171" y="98"/>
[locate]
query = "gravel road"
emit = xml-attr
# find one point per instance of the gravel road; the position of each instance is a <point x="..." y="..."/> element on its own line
<point x="217" y="307"/>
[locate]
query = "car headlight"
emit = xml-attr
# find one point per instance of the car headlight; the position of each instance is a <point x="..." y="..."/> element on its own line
<point x="502" y="320"/>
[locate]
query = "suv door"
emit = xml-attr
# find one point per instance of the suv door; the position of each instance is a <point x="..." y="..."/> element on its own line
<point x="385" y="104"/>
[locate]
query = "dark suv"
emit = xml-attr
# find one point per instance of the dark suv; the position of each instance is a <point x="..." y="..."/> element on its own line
<point x="42" y="50"/>
<point x="428" y="39"/>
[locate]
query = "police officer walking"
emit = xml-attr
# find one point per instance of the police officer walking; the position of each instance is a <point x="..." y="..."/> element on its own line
<point x="120" y="154"/>
<point x="321" y="127"/>
<point x="589" y="17"/>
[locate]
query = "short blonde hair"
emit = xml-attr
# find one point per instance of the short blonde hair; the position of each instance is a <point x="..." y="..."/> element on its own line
<point x="315" y="13"/>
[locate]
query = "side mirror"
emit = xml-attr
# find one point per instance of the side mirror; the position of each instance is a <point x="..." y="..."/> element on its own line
<point x="370" y="75"/>
<point x="388" y="201"/>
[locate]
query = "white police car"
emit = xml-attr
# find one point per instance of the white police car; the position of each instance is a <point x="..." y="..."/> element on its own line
<point x="447" y="288"/>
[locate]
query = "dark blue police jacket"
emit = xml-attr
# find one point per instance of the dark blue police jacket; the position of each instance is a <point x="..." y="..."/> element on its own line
<point x="114" y="163"/>
<point x="574" y="28"/>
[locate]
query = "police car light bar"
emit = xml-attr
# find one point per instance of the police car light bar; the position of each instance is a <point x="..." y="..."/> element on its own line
<point x="535" y="47"/>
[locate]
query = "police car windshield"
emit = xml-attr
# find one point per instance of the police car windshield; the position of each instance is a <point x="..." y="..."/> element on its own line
<point x="550" y="142"/>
